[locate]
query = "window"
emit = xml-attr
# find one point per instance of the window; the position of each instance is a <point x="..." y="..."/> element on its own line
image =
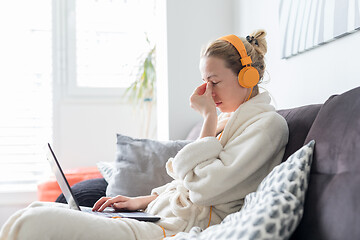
<point x="25" y="91"/>
<point x="89" y="46"/>
<point x="107" y="42"/>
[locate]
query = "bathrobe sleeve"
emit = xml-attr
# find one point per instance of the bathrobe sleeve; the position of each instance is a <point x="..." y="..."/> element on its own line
<point x="214" y="174"/>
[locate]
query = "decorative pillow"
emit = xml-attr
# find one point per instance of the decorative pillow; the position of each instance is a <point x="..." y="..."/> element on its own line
<point x="139" y="165"/>
<point x="292" y="175"/>
<point x="87" y="192"/>
<point x="273" y="211"/>
<point x="107" y="170"/>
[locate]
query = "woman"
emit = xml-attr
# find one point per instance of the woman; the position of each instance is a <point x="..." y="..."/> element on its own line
<point x="212" y="175"/>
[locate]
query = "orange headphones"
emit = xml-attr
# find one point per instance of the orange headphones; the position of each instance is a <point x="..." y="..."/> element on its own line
<point x="248" y="76"/>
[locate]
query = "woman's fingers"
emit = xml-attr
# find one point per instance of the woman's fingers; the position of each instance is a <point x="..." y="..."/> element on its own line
<point x="204" y="88"/>
<point x="99" y="203"/>
<point x="105" y="202"/>
<point x="201" y="89"/>
<point x="208" y="89"/>
<point x="202" y="99"/>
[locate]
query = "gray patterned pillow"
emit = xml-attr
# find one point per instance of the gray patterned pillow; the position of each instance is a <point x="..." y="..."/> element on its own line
<point x="273" y="211"/>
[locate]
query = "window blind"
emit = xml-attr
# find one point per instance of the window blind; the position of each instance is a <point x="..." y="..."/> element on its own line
<point x="25" y="92"/>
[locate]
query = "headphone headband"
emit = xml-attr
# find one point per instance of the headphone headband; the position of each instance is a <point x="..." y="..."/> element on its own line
<point x="240" y="47"/>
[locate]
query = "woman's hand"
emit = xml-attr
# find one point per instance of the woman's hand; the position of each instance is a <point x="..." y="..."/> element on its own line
<point x="123" y="203"/>
<point x="201" y="100"/>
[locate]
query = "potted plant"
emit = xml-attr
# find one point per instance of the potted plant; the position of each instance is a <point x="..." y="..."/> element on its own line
<point x="142" y="92"/>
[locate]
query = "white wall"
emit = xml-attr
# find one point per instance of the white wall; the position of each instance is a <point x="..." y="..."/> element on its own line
<point x="190" y="25"/>
<point x="307" y="78"/>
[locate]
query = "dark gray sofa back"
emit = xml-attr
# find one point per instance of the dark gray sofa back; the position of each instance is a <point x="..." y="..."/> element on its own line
<point x="332" y="210"/>
<point x="299" y="121"/>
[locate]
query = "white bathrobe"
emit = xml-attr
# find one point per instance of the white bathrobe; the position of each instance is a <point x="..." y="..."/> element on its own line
<point x="208" y="174"/>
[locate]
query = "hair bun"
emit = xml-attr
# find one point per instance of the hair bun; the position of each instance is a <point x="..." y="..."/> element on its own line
<point x="258" y="41"/>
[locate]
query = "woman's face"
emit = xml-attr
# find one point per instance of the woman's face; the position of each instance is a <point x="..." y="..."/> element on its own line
<point x="227" y="93"/>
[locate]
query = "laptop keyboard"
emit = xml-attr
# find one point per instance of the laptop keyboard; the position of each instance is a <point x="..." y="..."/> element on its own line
<point x="110" y="212"/>
<point x="104" y="213"/>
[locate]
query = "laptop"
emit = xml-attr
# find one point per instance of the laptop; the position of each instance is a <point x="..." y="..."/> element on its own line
<point x="74" y="204"/>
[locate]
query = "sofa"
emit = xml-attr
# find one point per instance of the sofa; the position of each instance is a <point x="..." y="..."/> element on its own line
<point x="331" y="208"/>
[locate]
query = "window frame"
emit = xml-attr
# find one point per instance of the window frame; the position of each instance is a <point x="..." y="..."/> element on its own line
<point x="64" y="51"/>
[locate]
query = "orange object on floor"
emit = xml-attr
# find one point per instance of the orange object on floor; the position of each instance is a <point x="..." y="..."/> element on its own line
<point x="50" y="190"/>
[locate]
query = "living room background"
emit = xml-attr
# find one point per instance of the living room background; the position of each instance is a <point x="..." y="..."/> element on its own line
<point x="85" y="127"/>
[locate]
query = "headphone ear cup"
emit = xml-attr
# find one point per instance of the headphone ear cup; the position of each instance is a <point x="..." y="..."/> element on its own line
<point x="248" y="77"/>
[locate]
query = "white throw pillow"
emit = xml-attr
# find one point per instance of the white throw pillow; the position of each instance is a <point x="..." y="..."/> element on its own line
<point x="107" y="169"/>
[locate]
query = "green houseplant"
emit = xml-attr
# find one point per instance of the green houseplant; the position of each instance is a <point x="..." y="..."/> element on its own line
<point x="142" y="92"/>
<point x="143" y="88"/>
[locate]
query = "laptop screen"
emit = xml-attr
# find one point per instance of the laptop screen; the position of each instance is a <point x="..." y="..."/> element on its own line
<point x="60" y="177"/>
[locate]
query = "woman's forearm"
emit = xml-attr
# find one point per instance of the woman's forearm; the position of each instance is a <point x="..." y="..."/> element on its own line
<point x="209" y="126"/>
<point x="146" y="200"/>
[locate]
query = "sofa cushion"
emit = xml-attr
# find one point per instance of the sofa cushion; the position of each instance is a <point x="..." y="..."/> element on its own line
<point x="49" y="189"/>
<point x="332" y="205"/>
<point x="140" y="165"/>
<point x="299" y="121"/>
<point x="195" y="131"/>
<point x="87" y="192"/>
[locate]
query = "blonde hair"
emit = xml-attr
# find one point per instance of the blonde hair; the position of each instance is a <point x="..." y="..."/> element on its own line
<point x="256" y="47"/>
